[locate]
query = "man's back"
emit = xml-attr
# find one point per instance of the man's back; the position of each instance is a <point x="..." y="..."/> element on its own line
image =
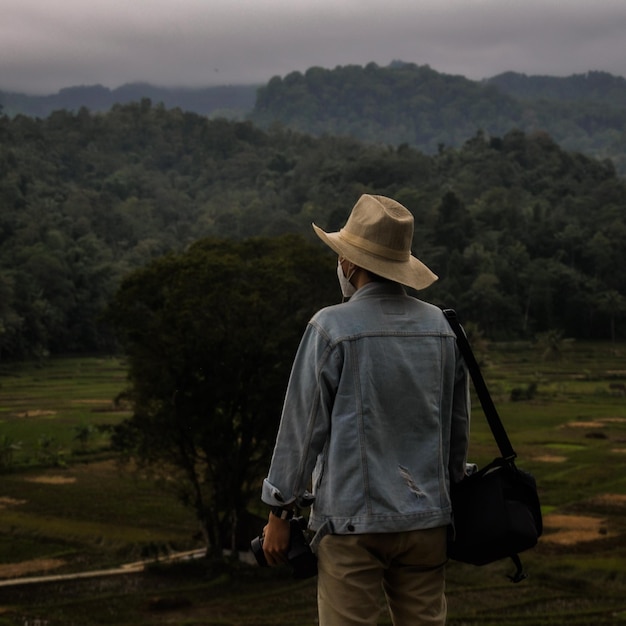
<point x="392" y="362"/>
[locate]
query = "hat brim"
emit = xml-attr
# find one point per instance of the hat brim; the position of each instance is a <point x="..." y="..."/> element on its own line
<point x="412" y="272"/>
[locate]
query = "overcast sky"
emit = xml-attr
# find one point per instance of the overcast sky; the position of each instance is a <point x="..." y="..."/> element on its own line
<point x="46" y="45"/>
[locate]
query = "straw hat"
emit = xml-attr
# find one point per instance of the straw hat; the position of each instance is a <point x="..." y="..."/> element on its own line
<point x="378" y="237"/>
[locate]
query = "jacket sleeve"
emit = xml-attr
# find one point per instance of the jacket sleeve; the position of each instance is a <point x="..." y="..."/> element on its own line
<point x="305" y="419"/>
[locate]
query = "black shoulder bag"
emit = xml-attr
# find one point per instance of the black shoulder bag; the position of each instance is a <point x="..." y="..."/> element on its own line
<point x="496" y="510"/>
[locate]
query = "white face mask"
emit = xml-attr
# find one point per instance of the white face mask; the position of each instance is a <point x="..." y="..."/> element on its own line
<point x="347" y="288"/>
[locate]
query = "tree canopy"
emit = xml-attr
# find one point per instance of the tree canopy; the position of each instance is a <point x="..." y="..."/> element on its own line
<point x="210" y="335"/>
<point x="525" y="235"/>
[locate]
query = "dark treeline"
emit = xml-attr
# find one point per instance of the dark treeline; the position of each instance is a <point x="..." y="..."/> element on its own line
<point x="525" y="236"/>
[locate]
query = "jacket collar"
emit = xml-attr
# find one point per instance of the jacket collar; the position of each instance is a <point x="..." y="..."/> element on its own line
<point x="375" y="288"/>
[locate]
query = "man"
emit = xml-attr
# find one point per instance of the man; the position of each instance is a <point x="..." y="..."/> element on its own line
<point x="376" y="418"/>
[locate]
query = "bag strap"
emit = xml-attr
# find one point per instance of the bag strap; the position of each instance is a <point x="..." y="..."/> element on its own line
<point x="491" y="413"/>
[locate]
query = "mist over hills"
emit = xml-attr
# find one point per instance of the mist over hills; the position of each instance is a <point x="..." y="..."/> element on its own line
<point x="402" y="103"/>
<point x="231" y="101"/>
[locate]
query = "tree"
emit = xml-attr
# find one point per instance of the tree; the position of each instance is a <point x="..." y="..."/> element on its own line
<point x="454" y="223"/>
<point x="210" y="335"/>
<point x="614" y="305"/>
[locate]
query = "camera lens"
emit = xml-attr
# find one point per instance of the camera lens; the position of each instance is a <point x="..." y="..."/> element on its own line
<point x="256" y="545"/>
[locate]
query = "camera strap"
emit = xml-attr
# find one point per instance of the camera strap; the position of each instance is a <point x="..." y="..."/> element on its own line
<point x="489" y="408"/>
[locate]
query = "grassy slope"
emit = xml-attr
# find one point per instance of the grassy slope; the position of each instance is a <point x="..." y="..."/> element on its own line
<point x="569" y="435"/>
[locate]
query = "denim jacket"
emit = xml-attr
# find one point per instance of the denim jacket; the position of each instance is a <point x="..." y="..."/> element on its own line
<point x="375" y="421"/>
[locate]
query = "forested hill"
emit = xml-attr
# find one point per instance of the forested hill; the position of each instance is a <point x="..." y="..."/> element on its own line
<point x="401" y="103"/>
<point x="525" y="236"/>
<point x="406" y="103"/>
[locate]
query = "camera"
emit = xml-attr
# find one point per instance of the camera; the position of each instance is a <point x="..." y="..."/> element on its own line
<point x="299" y="554"/>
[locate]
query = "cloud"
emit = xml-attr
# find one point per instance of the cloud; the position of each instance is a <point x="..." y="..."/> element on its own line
<point x="45" y="46"/>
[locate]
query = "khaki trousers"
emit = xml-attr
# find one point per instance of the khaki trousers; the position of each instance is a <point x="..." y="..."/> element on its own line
<point x="409" y="566"/>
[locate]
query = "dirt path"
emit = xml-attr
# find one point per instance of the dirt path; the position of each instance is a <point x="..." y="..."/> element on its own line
<point x="20" y="569"/>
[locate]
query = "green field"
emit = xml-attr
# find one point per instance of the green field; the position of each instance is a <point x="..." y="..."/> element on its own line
<point x="67" y="506"/>
<point x="64" y="495"/>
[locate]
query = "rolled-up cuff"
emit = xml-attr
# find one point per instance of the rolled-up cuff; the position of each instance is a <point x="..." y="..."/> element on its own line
<point x="273" y="496"/>
<point x="325" y="529"/>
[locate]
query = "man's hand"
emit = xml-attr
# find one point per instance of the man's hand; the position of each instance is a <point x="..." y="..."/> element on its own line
<point x="276" y="540"/>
